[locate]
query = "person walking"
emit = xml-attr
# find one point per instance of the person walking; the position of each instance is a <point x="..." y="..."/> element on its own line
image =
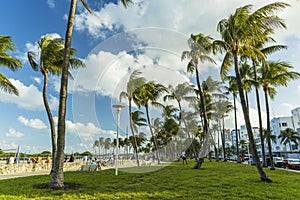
<point x="183" y="157"/>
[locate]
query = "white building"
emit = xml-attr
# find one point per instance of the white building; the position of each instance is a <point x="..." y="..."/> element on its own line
<point x="296" y="119"/>
<point x="278" y="124"/>
<point x="244" y="136"/>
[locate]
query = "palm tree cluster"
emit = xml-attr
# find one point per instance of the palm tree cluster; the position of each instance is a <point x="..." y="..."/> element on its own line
<point x="244" y="39"/>
<point x="177" y="125"/>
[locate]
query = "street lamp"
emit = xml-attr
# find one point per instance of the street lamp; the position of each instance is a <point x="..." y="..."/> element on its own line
<point x="118" y="108"/>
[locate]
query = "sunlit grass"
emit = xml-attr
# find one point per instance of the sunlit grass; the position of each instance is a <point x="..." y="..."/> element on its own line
<point x="215" y="180"/>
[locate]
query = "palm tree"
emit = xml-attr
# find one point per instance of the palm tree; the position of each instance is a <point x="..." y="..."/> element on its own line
<point x="107" y="144"/>
<point x="179" y="93"/>
<point x="289" y="136"/>
<point x="246" y="76"/>
<point x="138" y="120"/>
<point x="135" y="81"/>
<point x="57" y="180"/>
<point x="101" y="142"/>
<point x="200" y="48"/>
<point x="48" y="59"/>
<point x="237" y="32"/>
<point x="96" y="144"/>
<point x="148" y="94"/>
<point x="6" y="60"/>
<point x="256" y="59"/>
<point x="274" y="73"/>
<point x="233" y="89"/>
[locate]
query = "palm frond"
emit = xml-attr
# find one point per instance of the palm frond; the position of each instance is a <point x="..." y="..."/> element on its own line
<point x="7" y="86"/>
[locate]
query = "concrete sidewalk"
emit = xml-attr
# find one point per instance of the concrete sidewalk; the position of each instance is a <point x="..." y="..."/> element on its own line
<point x="18" y="175"/>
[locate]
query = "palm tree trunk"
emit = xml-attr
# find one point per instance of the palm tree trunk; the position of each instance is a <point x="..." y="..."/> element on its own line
<point x="223" y="140"/>
<point x="50" y="118"/>
<point x="236" y="130"/>
<point x="192" y="144"/>
<point x="247" y="100"/>
<point x="152" y="134"/>
<point x="203" y="110"/>
<point x="133" y="135"/>
<point x="180" y="112"/>
<point x="261" y="172"/>
<point x="57" y="180"/>
<point x="269" y="129"/>
<point x="259" y="118"/>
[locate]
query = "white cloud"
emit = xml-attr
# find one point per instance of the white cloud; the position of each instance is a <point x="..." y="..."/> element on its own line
<point x="13" y="133"/>
<point x="173" y="16"/>
<point x="37" y="79"/>
<point x="253" y="114"/>
<point x="30" y="98"/>
<point x="51" y="3"/>
<point x="287" y="106"/>
<point x="33" y="123"/>
<point x="87" y="132"/>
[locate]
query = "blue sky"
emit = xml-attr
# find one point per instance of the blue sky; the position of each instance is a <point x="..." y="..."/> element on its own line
<point x="149" y="35"/>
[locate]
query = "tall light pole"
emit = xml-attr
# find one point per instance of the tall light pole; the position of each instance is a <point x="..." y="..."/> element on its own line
<point x="118" y="108"/>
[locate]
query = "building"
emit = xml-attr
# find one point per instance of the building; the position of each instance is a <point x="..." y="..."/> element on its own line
<point x="278" y="124"/>
<point x="255" y="131"/>
<point x="296" y="119"/>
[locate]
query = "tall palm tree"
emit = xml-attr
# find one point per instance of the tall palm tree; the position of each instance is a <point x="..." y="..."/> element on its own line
<point x="149" y="94"/>
<point x="134" y="82"/>
<point x="57" y="180"/>
<point x="8" y="61"/>
<point x="200" y="48"/>
<point x="274" y="73"/>
<point x="256" y="59"/>
<point x="48" y="59"/>
<point x="289" y="136"/>
<point x="237" y="32"/>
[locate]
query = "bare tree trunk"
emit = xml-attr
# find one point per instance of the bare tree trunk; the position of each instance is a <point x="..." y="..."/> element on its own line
<point x="50" y="118"/>
<point x="268" y="130"/>
<point x="204" y="117"/>
<point x="259" y="118"/>
<point x="236" y="130"/>
<point x="152" y="134"/>
<point x="133" y="134"/>
<point x="57" y="180"/>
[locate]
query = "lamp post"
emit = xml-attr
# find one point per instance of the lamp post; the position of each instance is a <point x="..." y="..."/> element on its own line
<point x="118" y="108"/>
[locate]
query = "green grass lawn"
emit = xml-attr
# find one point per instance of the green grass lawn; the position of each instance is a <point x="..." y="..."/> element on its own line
<point x="215" y="180"/>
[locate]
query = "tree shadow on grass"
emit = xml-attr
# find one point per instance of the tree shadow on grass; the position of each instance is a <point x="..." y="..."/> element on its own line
<point x="67" y="186"/>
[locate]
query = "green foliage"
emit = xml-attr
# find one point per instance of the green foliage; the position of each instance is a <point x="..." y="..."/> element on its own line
<point x="232" y="180"/>
<point x="87" y="153"/>
<point x="46" y="153"/>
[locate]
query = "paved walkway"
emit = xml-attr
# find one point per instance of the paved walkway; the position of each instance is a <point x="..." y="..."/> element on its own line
<point x="18" y="175"/>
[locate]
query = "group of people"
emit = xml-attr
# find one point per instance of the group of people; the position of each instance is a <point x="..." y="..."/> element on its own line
<point x="38" y="159"/>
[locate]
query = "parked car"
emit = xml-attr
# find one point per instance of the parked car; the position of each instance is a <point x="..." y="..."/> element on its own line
<point x="291" y="163"/>
<point x="278" y="161"/>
